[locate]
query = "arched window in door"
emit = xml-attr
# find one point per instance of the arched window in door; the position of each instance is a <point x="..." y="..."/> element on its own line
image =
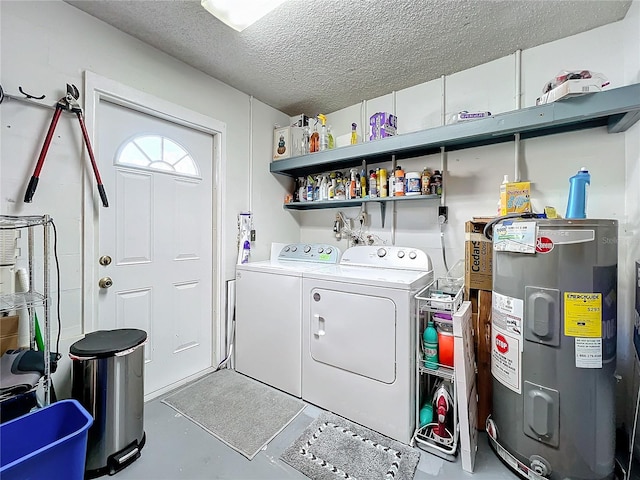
<point x="155" y="152"/>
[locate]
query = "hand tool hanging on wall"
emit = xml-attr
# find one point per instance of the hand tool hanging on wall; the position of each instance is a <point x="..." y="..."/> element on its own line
<point x="67" y="103"/>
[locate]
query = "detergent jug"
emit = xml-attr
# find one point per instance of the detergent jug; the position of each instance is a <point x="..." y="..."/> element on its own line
<point x="577" y="203"/>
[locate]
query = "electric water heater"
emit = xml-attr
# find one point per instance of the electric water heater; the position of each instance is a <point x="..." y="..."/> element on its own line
<point x="553" y="353"/>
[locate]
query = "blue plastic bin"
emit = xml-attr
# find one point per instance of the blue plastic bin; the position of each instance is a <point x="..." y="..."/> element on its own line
<point x="49" y="443"/>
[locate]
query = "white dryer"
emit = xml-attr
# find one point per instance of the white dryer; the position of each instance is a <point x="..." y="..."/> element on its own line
<point x="268" y="324"/>
<point x="359" y="344"/>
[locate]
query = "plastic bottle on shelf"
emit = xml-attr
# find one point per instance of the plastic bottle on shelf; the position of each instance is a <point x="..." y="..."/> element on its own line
<point x="426" y="178"/>
<point x="430" y="346"/>
<point x="314" y="141"/>
<point x="383" y="189"/>
<point x="306" y="134"/>
<point x="331" y="190"/>
<point x="436" y="183"/>
<point x="412" y="183"/>
<point x="505" y="180"/>
<point x="577" y="203"/>
<point x="363" y="183"/>
<point x="354" y="134"/>
<point x="373" y="184"/>
<point x="330" y="138"/>
<point x="353" y="184"/>
<point x="398" y="189"/>
<point x="324" y="137"/>
<point x="310" y="188"/>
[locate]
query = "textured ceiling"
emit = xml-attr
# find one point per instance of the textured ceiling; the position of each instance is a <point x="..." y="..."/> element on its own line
<point x="324" y="55"/>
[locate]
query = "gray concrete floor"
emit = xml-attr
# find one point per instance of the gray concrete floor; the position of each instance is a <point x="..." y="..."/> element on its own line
<point x="177" y="449"/>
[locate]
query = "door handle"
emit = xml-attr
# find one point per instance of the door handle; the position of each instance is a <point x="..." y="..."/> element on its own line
<point x="319" y="326"/>
<point x="105" y="260"/>
<point x="105" y="282"/>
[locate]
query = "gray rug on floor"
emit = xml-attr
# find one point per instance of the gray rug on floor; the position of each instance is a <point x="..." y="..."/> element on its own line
<point x="241" y="412"/>
<point x="332" y="448"/>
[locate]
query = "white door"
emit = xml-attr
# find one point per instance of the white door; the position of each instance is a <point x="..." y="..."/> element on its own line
<point x="158" y="232"/>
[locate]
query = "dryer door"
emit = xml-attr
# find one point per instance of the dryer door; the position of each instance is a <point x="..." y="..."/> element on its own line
<point x="354" y="332"/>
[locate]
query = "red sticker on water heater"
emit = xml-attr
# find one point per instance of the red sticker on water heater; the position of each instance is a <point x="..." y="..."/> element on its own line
<point x="501" y="344"/>
<point x="544" y="245"/>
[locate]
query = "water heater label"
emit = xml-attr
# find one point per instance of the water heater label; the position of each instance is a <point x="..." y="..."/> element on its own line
<point x="588" y="353"/>
<point x="583" y="315"/>
<point x="517" y="237"/>
<point x="505" y="359"/>
<point x="507" y="314"/>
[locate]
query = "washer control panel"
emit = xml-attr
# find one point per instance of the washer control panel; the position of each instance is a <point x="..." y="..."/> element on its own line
<point x="310" y="252"/>
<point x="408" y="258"/>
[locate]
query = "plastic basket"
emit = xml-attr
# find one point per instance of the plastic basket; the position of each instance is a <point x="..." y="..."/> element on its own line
<point x="50" y="443"/>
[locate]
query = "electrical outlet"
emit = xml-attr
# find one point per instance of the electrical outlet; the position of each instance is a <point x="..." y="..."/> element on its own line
<point x="443" y="214"/>
<point x="253" y="235"/>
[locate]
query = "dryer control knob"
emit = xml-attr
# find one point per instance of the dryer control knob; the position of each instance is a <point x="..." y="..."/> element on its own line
<point x="307" y="249"/>
<point x="381" y="252"/>
<point x="401" y="254"/>
<point x="413" y="255"/>
<point x="286" y="249"/>
<point x="320" y="249"/>
<point x="294" y="249"/>
<point x="329" y="250"/>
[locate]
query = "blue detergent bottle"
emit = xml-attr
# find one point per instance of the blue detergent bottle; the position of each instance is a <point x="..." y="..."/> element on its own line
<point x="577" y="203"/>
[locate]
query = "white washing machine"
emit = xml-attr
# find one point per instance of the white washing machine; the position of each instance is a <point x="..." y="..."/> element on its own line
<point x="358" y="357"/>
<point x="268" y="334"/>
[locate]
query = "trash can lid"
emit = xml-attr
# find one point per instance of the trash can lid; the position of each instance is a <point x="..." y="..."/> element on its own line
<point x="106" y="343"/>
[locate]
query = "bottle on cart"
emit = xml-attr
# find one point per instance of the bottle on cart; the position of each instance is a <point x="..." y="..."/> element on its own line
<point x="430" y="346"/>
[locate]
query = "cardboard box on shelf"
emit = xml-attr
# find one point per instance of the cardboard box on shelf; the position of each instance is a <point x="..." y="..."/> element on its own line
<point x="515" y="197"/>
<point x="478" y="256"/>
<point x="8" y="333"/>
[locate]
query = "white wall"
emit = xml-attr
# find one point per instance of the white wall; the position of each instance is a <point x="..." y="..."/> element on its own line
<point x="44" y="46"/>
<point x="473" y="176"/>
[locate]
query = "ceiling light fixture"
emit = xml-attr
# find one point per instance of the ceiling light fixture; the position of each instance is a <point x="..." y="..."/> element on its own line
<point x="239" y="14"/>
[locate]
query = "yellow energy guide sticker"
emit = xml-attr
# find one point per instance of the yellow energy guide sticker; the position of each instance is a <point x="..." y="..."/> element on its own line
<point x="583" y="314"/>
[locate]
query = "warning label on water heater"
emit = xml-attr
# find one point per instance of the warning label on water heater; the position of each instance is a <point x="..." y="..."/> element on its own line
<point x="505" y="359"/>
<point x="588" y="353"/>
<point x="583" y="314"/>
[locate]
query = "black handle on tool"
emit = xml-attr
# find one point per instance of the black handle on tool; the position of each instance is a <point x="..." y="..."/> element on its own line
<point x="33" y="183"/>
<point x="103" y="194"/>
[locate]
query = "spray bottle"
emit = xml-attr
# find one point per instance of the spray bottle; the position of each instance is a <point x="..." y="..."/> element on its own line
<point x="324" y="137"/>
<point x="577" y="204"/>
<point x="330" y="139"/>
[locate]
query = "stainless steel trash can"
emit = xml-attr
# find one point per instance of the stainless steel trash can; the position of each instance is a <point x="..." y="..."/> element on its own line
<point x="108" y="380"/>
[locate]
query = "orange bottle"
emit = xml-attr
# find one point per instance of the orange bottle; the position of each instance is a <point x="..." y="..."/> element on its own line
<point x="314" y="141"/>
<point x="399" y="182"/>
